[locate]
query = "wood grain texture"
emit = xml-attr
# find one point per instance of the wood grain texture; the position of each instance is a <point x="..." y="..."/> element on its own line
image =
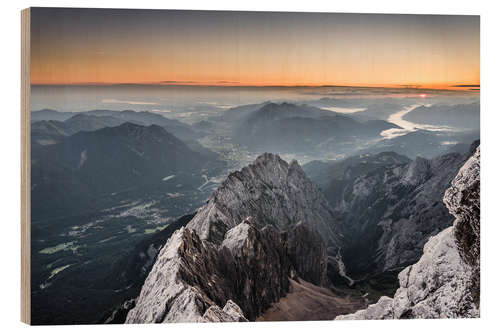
<point x="25" y="168"/>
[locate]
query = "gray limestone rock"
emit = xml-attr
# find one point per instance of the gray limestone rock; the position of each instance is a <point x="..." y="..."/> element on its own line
<point x="270" y="191"/>
<point x="194" y="280"/>
<point x="444" y="283"/>
<point x="389" y="211"/>
<point x="230" y="312"/>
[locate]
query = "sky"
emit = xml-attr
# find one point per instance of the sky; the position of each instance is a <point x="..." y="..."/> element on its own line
<point x="109" y="46"/>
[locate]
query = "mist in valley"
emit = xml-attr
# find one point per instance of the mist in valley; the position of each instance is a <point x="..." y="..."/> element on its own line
<point x="115" y="168"/>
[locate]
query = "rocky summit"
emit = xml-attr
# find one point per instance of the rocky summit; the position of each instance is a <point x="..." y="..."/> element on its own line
<point x="444" y="283"/>
<point x="195" y="280"/>
<point x="271" y="191"/>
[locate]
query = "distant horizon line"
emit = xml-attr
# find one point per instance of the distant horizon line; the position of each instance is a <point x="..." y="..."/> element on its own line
<point x="160" y="84"/>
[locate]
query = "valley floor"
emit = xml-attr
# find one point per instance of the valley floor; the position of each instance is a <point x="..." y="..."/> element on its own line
<point x="306" y="301"/>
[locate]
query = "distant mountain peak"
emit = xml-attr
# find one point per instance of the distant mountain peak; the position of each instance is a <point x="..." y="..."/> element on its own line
<point x="288" y="127"/>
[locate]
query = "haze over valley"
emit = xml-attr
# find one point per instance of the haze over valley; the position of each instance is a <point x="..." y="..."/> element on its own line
<point x="114" y="176"/>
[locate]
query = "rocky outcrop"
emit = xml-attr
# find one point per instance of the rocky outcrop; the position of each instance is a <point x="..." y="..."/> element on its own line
<point x="195" y="280"/>
<point x="230" y="312"/>
<point x="164" y="295"/>
<point x="463" y="201"/>
<point x="444" y="283"/>
<point x="271" y="191"/>
<point x="119" y="314"/>
<point x="383" y="309"/>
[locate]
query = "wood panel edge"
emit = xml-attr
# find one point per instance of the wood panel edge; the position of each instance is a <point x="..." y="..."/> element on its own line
<point x="25" y="168"/>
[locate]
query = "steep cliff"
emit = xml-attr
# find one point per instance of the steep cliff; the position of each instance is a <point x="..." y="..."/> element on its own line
<point x="463" y="201"/>
<point x="388" y="207"/>
<point x="195" y="280"/>
<point x="444" y="283"/>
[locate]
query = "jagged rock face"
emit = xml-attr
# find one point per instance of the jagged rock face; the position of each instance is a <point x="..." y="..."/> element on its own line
<point x="261" y="267"/>
<point x="302" y="245"/>
<point x="444" y="283"/>
<point x="437" y="285"/>
<point x="195" y="280"/>
<point x="463" y="201"/>
<point x="230" y="312"/>
<point x="164" y="296"/>
<point x="389" y="211"/>
<point x="434" y="287"/>
<point x="271" y="191"/>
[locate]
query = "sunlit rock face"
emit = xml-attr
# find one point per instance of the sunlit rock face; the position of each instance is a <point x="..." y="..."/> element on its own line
<point x="230" y="312"/>
<point x="271" y="191"/>
<point x="444" y="283"/>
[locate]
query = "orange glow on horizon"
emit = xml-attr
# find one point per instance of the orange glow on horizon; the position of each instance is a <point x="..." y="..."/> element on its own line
<point x="444" y="86"/>
<point x="103" y="47"/>
<point x="262" y="70"/>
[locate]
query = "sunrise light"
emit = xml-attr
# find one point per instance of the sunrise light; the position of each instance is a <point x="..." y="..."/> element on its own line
<point x="207" y="48"/>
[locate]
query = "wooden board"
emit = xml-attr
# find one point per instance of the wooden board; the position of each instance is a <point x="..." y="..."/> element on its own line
<point x="25" y="169"/>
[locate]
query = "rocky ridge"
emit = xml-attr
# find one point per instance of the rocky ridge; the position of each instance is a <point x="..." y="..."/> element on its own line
<point x="273" y="192"/>
<point x="195" y="280"/>
<point x="444" y="283"/>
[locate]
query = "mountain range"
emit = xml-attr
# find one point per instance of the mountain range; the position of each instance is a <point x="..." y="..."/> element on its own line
<point x="84" y="168"/>
<point x="291" y="127"/>
<point x="388" y="206"/>
<point x="423" y="143"/>
<point x="45" y="132"/>
<point x="465" y="116"/>
<point x="274" y="241"/>
<point x="445" y="282"/>
<point x="215" y="268"/>
<point x="96" y="119"/>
